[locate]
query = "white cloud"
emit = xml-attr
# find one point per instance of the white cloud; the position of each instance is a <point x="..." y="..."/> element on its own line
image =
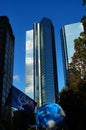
<point x="51" y="123"/>
<point x="29" y="35"/>
<point x="29" y="77"/>
<point x="29" y="45"/>
<point x="29" y="60"/>
<point x="29" y="41"/>
<point x="29" y="91"/>
<point x="16" y="78"/>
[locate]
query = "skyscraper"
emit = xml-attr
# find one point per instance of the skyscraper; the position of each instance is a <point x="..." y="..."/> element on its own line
<point x="6" y="62"/>
<point x="43" y="62"/>
<point x="68" y="34"/>
<point x="29" y="89"/>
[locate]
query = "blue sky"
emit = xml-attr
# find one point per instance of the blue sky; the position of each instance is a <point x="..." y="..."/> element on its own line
<point x="23" y="13"/>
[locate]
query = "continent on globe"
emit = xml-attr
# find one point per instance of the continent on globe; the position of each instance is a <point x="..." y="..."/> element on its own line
<point x="50" y="115"/>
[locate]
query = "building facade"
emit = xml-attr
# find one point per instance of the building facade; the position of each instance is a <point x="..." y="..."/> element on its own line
<point x="29" y="89"/>
<point x="6" y="62"/>
<point x="68" y="34"/>
<point x="44" y="63"/>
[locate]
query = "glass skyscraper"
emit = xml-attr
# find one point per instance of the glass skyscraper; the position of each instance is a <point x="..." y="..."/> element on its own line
<point x="6" y="63"/>
<point x="29" y="89"/>
<point x="44" y="67"/>
<point x="68" y="34"/>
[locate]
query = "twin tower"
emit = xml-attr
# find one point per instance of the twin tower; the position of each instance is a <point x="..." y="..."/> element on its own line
<point x="41" y="65"/>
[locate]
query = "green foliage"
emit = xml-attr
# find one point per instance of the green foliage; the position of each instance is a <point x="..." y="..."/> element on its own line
<point x="74" y="104"/>
<point x="22" y="120"/>
<point x="84" y="2"/>
<point x="79" y="58"/>
<point x="83" y="20"/>
<point x="73" y="98"/>
<point x="77" y="68"/>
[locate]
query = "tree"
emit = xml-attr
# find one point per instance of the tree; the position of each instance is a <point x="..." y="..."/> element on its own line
<point x="74" y="105"/>
<point x="73" y="98"/>
<point x="22" y="120"/>
<point x="84" y="2"/>
<point x="77" y="68"/>
<point x="83" y="20"/>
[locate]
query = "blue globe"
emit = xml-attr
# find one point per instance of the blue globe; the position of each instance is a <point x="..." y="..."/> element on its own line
<point x="50" y="115"/>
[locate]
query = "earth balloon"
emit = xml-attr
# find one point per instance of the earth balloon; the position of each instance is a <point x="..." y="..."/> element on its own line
<point x="50" y="115"/>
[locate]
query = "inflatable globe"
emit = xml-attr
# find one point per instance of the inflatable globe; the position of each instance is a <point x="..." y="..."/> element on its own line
<point x="50" y="115"/>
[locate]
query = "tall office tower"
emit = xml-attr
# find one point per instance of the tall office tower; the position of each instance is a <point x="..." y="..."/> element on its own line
<point x="43" y="63"/>
<point x="68" y="34"/>
<point x="29" y="89"/>
<point x="6" y="62"/>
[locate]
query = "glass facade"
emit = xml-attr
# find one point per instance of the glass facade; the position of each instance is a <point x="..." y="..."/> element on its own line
<point x="49" y="87"/>
<point x="29" y="64"/>
<point x="44" y="62"/>
<point x="68" y="34"/>
<point x="37" y="64"/>
<point x="6" y="63"/>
